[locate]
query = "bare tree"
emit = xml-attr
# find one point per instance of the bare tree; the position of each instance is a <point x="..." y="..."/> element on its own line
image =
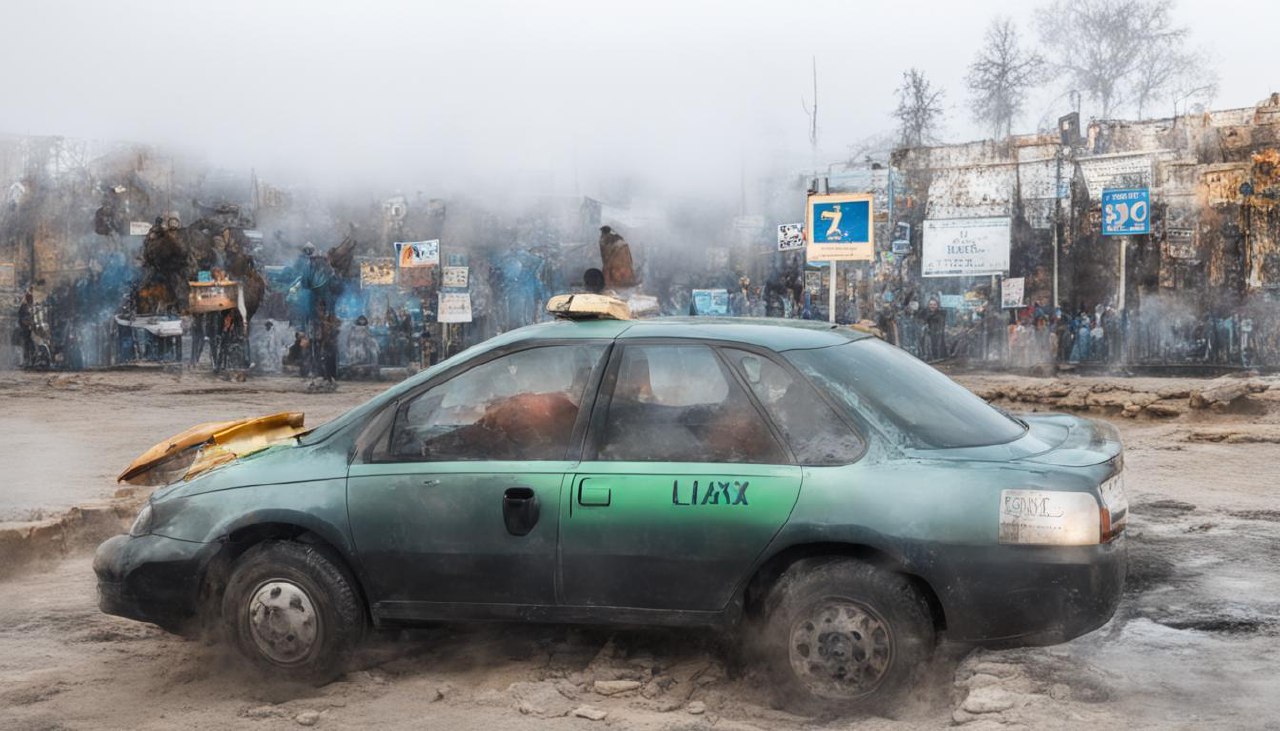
<point x="1117" y="51"/>
<point x="1000" y="76"/>
<point x="919" y="111"/>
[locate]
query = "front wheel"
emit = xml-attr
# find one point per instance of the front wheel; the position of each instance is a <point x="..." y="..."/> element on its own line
<point x="292" y="611"/>
<point x="845" y="635"/>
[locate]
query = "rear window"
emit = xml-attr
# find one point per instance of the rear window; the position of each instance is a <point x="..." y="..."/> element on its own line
<point x="886" y="386"/>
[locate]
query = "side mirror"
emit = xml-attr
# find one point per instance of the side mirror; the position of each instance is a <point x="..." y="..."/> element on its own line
<point x="751" y="367"/>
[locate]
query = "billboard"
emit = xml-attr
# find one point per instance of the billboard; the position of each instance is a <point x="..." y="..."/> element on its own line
<point x="1012" y="292"/>
<point x="965" y="247"/>
<point x="711" y="301"/>
<point x="377" y="271"/>
<point x="454" y="277"/>
<point x="1126" y="212"/>
<point x="418" y="253"/>
<point x="454" y="307"/>
<point x="839" y="227"/>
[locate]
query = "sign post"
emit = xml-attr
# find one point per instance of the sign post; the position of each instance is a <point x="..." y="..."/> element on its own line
<point x="838" y="227"/>
<point x="1125" y="212"/>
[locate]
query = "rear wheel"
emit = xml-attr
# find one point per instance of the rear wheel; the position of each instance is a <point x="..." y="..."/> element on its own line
<point x="846" y="635"/>
<point x="292" y="611"/>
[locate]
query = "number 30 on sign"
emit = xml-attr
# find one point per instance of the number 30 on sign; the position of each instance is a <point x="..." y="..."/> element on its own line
<point x="1126" y="212"/>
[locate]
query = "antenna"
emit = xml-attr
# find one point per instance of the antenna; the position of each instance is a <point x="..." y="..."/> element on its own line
<point x="812" y="112"/>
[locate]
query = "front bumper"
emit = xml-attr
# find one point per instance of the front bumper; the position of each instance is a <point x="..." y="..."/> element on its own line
<point x="1029" y="595"/>
<point x="151" y="579"/>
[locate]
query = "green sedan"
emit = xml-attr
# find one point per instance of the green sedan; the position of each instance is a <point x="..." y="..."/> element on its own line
<point x="847" y="501"/>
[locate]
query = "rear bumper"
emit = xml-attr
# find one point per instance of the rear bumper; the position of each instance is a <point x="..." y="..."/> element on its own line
<point x="151" y="579"/>
<point x="1029" y="595"/>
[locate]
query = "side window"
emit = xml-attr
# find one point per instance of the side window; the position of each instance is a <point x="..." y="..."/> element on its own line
<point x="678" y="403"/>
<point x="814" y="431"/>
<point x="516" y="407"/>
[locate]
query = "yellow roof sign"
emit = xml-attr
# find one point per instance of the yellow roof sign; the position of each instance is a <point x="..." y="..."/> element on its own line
<point x="588" y="307"/>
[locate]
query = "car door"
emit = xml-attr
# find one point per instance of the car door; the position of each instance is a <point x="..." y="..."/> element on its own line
<point x="685" y="484"/>
<point x="457" y="500"/>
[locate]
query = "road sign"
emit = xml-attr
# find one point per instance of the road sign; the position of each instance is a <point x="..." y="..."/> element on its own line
<point x="839" y="228"/>
<point x="1126" y="212"/>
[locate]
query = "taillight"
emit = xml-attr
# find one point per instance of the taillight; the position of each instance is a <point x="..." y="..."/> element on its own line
<point x="1114" y="515"/>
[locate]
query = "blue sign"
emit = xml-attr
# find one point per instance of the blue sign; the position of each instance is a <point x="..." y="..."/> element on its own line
<point x="1126" y="212"/>
<point x="839" y="227"/>
<point x="842" y="223"/>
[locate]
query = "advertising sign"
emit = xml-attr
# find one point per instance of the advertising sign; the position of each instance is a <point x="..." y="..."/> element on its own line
<point x="379" y="271"/>
<point x="711" y="301"/>
<point x="418" y="253"/>
<point x="839" y="228"/>
<point x="791" y="237"/>
<point x="455" y="277"/>
<point x="964" y="247"/>
<point x="951" y="301"/>
<point x="1126" y="212"/>
<point x="1012" y="291"/>
<point x="454" y="307"/>
<point x="813" y="282"/>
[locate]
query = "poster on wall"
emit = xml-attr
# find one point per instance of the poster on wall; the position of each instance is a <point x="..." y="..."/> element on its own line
<point x="418" y="253"/>
<point x="454" y="307"/>
<point x="455" y="277"/>
<point x="965" y="247"/>
<point x="710" y="301"/>
<point x="1012" y="291"/>
<point x="377" y="271"/>
<point x="791" y="237"/>
<point x="813" y="282"/>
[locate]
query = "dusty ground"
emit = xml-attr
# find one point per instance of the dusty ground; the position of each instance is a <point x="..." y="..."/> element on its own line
<point x="1196" y="643"/>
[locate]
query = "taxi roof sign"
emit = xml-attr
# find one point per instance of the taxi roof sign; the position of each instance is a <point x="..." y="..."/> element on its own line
<point x="588" y="307"/>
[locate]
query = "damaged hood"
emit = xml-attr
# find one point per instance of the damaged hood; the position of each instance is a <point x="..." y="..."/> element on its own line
<point x="209" y="445"/>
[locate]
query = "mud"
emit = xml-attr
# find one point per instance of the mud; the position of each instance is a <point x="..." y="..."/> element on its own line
<point x="1194" y="644"/>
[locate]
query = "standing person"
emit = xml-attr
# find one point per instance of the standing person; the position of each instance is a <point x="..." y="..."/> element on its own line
<point x="1097" y="342"/>
<point x="26" y="328"/>
<point x="429" y="347"/>
<point x="1064" y="337"/>
<point x="935" y="323"/>
<point x="1080" y="349"/>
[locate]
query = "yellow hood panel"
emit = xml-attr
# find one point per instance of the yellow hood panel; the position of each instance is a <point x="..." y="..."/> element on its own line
<point x="218" y="442"/>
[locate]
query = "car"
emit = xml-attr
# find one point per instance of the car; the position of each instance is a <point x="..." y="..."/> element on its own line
<point x="848" y="503"/>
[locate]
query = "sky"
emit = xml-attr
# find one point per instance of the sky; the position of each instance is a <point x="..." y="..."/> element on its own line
<point x="492" y="94"/>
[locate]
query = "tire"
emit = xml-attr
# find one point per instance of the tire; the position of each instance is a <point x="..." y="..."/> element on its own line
<point x="881" y="638"/>
<point x="292" y="611"/>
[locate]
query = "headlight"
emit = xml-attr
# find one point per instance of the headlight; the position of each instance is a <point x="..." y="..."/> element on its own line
<point x="142" y="524"/>
<point x="1049" y="518"/>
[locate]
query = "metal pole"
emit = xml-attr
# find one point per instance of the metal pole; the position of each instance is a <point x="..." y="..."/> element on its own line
<point x="831" y="299"/>
<point x="1057" y="209"/>
<point x="1120" y="294"/>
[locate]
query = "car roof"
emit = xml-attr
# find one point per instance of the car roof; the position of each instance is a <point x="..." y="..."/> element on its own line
<point x="773" y="333"/>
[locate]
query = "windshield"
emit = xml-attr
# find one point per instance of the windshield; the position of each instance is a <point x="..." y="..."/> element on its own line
<point x="886" y="386"/>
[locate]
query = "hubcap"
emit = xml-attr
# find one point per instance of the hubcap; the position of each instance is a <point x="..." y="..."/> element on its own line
<point x="841" y="649"/>
<point x="283" y="622"/>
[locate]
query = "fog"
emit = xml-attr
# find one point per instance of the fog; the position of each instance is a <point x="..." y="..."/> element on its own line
<point x="496" y="94"/>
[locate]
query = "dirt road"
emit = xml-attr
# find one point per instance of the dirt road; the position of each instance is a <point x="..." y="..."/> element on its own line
<point x="1195" y="644"/>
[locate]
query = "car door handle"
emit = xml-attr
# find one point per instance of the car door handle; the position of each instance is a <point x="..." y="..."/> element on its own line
<point x="430" y="483"/>
<point x="594" y="495"/>
<point x="519" y="510"/>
